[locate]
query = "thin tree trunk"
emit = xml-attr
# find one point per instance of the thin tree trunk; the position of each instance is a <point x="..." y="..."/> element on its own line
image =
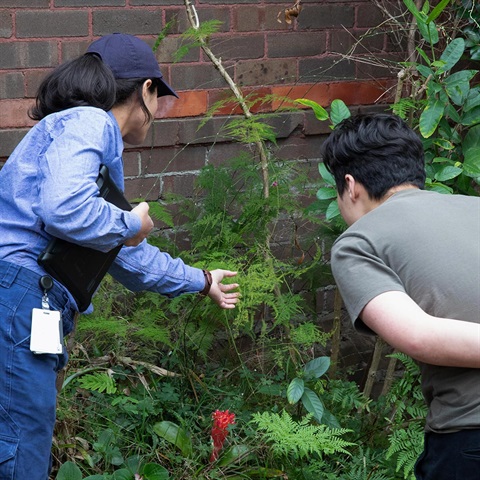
<point x="373" y="370"/>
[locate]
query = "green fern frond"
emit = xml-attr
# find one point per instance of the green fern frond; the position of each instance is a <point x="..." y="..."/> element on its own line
<point x="300" y="439"/>
<point x="159" y="212"/>
<point x="98" y="382"/>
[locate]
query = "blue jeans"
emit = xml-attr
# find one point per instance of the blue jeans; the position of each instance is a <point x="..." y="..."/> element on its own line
<point x="450" y="456"/>
<point x="27" y="381"/>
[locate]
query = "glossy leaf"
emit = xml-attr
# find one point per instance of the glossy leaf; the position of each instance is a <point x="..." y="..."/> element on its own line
<point x="153" y="471"/>
<point x="295" y="390"/>
<point x="320" y="113"/>
<point x="472" y="117"/>
<point x="332" y="211"/>
<point x="430" y="117"/>
<point x="325" y="193"/>
<point x="326" y="175"/>
<point x="317" y="367"/>
<point x="457" y="86"/>
<point x="452" y="54"/>
<point x="313" y="404"/>
<point x="234" y="454"/>
<point x="438" y="10"/>
<point x="339" y="111"/>
<point x="447" y="173"/>
<point x="69" y="471"/>
<point x="471" y="163"/>
<point x="174" y="434"/>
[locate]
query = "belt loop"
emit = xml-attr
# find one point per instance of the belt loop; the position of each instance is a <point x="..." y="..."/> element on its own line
<point x="10" y="272"/>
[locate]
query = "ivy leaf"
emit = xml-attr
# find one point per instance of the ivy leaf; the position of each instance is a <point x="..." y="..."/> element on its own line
<point x="317" y="367"/>
<point x="320" y="113"/>
<point x="313" y="404"/>
<point x="471" y="117"/>
<point x="430" y="117"/>
<point x="339" y="111"/>
<point x="174" y="434"/>
<point x="295" y="390"/>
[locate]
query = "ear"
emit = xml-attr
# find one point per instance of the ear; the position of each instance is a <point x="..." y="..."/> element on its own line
<point x="146" y="85"/>
<point x="351" y="187"/>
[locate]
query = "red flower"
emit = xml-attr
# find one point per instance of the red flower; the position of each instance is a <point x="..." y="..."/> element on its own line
<point x="221" y="421"/>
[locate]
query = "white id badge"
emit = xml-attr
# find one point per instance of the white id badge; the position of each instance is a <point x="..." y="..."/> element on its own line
<point x="46" y="335"/>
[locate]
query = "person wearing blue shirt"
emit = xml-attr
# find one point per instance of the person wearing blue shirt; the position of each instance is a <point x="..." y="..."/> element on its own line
<point x="87" y="107"/>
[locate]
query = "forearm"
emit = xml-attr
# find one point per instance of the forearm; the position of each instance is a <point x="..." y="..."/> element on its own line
<point x="438" y="341"/>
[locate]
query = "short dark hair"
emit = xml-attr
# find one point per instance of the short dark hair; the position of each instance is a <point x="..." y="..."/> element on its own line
<point x="86" y="81"/>
<point x="379" y="150"/>
<point x="83" y="81"/>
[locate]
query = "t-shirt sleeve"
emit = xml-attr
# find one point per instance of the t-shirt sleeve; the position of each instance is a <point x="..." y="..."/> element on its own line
<point x="361" y="275"/>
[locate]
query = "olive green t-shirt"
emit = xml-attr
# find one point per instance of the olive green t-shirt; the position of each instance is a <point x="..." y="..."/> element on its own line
<point x="426" y="244"/>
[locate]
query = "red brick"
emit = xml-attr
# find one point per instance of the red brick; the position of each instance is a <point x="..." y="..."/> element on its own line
<point x="189" y="104"/>
<point x="15" y="113"/>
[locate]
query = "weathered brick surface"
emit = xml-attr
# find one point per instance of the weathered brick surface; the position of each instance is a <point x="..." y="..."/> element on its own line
<point x="41" y="23"/>
<point x="135" y="22"/>
<point x="24" y="3"/>
<point x="6" y="24"/>
<point x="23" y="55"/>
<point x="11" y="85"/>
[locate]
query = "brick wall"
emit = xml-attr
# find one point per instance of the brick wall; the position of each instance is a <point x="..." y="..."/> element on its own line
<point x="259" y="49"/>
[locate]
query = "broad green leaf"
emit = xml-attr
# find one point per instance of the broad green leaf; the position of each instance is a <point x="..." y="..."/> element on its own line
<point x="332" y="211"/>
<point x="325" y="193"/>
<point x="330" y="420"/>
<point x="447" y="173"/>
<point x="438" y="187"/>
<point x="174" y="434"/>
<point x="326" y="175"/>
<point x="320" y="113"/>
<point x="437" y="10"/>
<point x="472" y="117"/>
<point x="317" y="367"/>
<point x="457" y="86"/>
<point x="295" y="390"/>
<point x="473" y="99"/>
<point x="424" y="71"/>
<point x="313" y="404"/>
<point x="471" y="162"/>
<point x="410" y="4"/>
<point x="234" y="454"/>
<point x="430" y="117"/>
<point x="122" y="474"/>
<point x="274" y="389"/>
<point x="421" y="68"/>
<point x="444" y="143"/>
<point x="452" y="54"/>
<point x="153" y="471"/>
<point x="472" y="139"/>
<point x="94" y="477"/>
<point x="339" y="111"/>
<point x="69" y="471"/>
<point x="428" y="30"/>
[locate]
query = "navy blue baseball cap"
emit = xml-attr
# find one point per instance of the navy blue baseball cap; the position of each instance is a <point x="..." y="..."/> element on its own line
<point x="129" y="57"/>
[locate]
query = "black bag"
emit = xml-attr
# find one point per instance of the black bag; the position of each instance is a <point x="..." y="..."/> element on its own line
<point x="81" y="269"/>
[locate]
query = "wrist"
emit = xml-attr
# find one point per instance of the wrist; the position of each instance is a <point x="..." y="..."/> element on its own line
<point x="208" y="283"/>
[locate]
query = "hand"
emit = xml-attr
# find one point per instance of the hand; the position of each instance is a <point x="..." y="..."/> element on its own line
<point x="141" y="210"/>
<point x="221" y="294"/>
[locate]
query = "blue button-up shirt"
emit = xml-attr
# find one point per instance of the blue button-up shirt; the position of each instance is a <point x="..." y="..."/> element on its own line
<point x="48" y="189"/>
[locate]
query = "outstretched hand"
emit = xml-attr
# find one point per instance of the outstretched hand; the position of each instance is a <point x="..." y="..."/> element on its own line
<point x="221" y="293"/>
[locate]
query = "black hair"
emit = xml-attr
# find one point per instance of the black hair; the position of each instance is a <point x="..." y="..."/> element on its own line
<point x="379" y="150"/>
<point x="83" y="81"/>
<point x="127" y="86"/>
<point x="87" y="81"/>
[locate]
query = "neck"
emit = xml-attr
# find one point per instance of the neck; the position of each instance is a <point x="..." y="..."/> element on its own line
<point x="395" y="190"/>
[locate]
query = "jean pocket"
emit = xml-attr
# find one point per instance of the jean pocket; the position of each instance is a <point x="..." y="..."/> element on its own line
<point x="469" y="466"/>
<point x="8" y="451"/>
